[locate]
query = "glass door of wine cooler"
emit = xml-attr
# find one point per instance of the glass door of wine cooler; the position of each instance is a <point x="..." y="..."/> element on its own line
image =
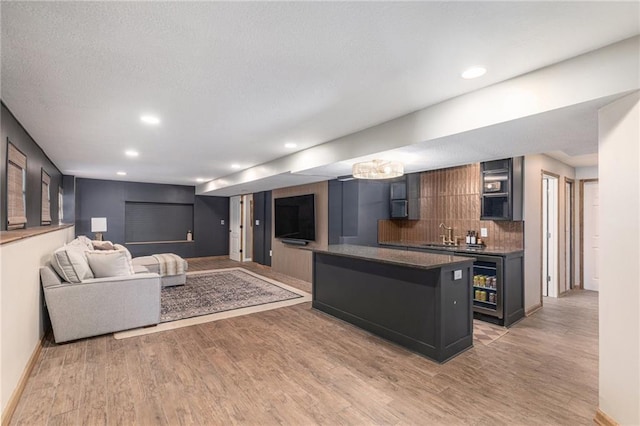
<point x="487" y="286"/>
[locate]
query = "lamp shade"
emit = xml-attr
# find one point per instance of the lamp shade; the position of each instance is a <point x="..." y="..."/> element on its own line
<point x="377" y="169"/>
<point x="98" y="224"/>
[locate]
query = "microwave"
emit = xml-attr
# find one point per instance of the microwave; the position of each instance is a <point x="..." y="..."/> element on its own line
<point x="495" y="186"/>
<point x="399" y="209"/>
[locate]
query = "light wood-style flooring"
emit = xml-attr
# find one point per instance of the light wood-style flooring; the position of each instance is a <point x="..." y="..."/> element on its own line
<point x="298" y="366"/>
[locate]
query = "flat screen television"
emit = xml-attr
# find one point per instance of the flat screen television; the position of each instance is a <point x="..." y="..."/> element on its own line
<point x="295" y="218"/>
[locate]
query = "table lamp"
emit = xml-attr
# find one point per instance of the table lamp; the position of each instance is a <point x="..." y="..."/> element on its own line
<point x="98" y="225"/>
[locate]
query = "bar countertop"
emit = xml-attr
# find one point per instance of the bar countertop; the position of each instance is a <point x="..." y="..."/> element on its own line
<point x="490" y="250"/>
<point x="392" y="256"/>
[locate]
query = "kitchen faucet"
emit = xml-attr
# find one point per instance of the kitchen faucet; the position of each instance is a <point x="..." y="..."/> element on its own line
<point x="447" y="239"/>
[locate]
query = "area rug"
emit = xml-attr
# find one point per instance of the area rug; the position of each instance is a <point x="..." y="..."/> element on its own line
<point x="217" y="294"/>
<point x="485" y="333"/>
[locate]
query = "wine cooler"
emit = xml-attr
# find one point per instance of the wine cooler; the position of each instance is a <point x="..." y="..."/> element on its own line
<point x="488" y="286"/>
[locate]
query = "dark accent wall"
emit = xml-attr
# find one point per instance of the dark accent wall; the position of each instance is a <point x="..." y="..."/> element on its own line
<point x="262" y="227"/>
<point x="210" y="234"/>
<point x="157" y="221"/>
<point x="355" y="207"/>
<point x="106" y="198"/>
<point x="37" y="160"/>
<point x="69" y="199"/>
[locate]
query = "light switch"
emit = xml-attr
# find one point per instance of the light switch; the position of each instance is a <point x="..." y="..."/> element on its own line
<point x="484" y="233"/>
<point x="257" y="222"/>
<point x="222" y="222"/>
<point x="457" y="274"/>
<point x="270" y="253"/>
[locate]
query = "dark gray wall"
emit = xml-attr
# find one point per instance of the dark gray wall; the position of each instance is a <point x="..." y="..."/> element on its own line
<point x="37" y="160"/>
<point x="262" y="229"/>
<point x="69" y="199"/>
<point x="355" y="207"/>
<point x="210" y="234"/>
<point x="106" y="198"/>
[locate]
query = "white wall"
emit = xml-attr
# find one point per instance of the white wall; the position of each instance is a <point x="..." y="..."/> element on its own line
<point x="619" y="161"/>
<point x="21" y="307"/>
<point x="534" y="165"/>
<point x="590" y="172"/>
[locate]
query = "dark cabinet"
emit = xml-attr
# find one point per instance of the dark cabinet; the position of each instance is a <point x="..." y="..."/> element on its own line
<point x="405" y="197"/>
<point x="498" y="283"/>
<point x="501" y="189"/>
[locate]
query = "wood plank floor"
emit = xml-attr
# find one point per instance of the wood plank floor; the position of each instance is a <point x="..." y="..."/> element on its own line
<point x="298" y="366"/>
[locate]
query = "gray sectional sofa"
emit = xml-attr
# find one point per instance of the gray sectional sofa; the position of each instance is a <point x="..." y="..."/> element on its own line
<point x="90" y="292"/>
<point x="100" y="305"/>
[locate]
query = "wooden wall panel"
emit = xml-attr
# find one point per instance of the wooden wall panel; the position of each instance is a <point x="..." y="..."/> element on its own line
<point x="451" y="196"/>
<point x="295" y="261"/>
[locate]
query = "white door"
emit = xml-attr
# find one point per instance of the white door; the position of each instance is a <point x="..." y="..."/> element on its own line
<point x="235" y="230"/>
<point x="247" y="228"/>
<point x="549" y="236"/>
<point x="591" y="236"/>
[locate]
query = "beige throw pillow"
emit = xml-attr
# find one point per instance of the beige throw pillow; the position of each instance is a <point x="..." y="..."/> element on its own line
<point x="84" y="241"/>
<point x="102" y="245"/>
<point x="123" y="249"/>
<point x="109" y="263"/>
<point x="71" y="264"/>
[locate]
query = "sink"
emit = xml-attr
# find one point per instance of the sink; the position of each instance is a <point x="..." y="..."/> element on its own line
<point x="439" y="246"/>
<point x="460" y="248"/>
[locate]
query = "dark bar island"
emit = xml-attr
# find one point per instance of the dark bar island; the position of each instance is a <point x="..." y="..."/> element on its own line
<point x="421" y="301"/>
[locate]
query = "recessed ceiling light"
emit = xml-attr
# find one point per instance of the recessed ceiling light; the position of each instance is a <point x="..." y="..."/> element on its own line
<point x="235" y="166"/>
<point x="121" y="173"/>
<point x="150" y="119"/>
<point x="131" y="153"/>
<point x="474" y="72"/>
<point x="290" y="145"/>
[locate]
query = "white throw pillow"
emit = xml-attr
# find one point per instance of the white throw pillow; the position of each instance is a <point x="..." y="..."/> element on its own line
<point x="71" y="264"/>
<point x="84" y="241"/>
<point x="109" y="263"/>
<point x="122" y="248"/>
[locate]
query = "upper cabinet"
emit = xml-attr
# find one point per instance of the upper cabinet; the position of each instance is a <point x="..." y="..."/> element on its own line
<point x="501" y="189"/>
<point x="405" y="197"/>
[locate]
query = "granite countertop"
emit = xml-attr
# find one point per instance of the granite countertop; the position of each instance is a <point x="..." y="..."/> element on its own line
<point x="392" y="256"/>
<point x="500" y="251"/>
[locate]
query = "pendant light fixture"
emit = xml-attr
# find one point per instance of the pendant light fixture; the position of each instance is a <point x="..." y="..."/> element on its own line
<point x="377" y="169"/>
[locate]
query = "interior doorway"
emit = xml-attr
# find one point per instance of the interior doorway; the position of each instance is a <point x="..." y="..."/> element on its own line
<point x="235" y="228"/>
<point x="247" y="228"/>
<point x="550" y="234"/>
<point x="590" y="235"/>
<point x="241" y="228"/>
<point x="569" y="235"/>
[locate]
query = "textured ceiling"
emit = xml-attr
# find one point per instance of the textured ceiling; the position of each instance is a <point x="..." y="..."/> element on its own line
<point x="233" y="82"/>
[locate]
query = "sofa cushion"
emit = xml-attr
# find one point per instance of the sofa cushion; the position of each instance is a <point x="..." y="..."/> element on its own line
<point x="139" y="269"/>
<point x="109" y="263"/>
<point x="71" y="264"/>
<point x="127" y="253"/>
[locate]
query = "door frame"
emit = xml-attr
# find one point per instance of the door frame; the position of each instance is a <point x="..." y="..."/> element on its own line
<point x="569" y="203"/>
<point x="231" y="201"/>
<point x="544" y="173"/>
<point x="246" y="228"/>
<point x="582" y="182"/>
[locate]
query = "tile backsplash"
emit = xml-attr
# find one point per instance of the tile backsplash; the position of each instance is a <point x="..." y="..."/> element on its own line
<point x="451" y="196"/>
